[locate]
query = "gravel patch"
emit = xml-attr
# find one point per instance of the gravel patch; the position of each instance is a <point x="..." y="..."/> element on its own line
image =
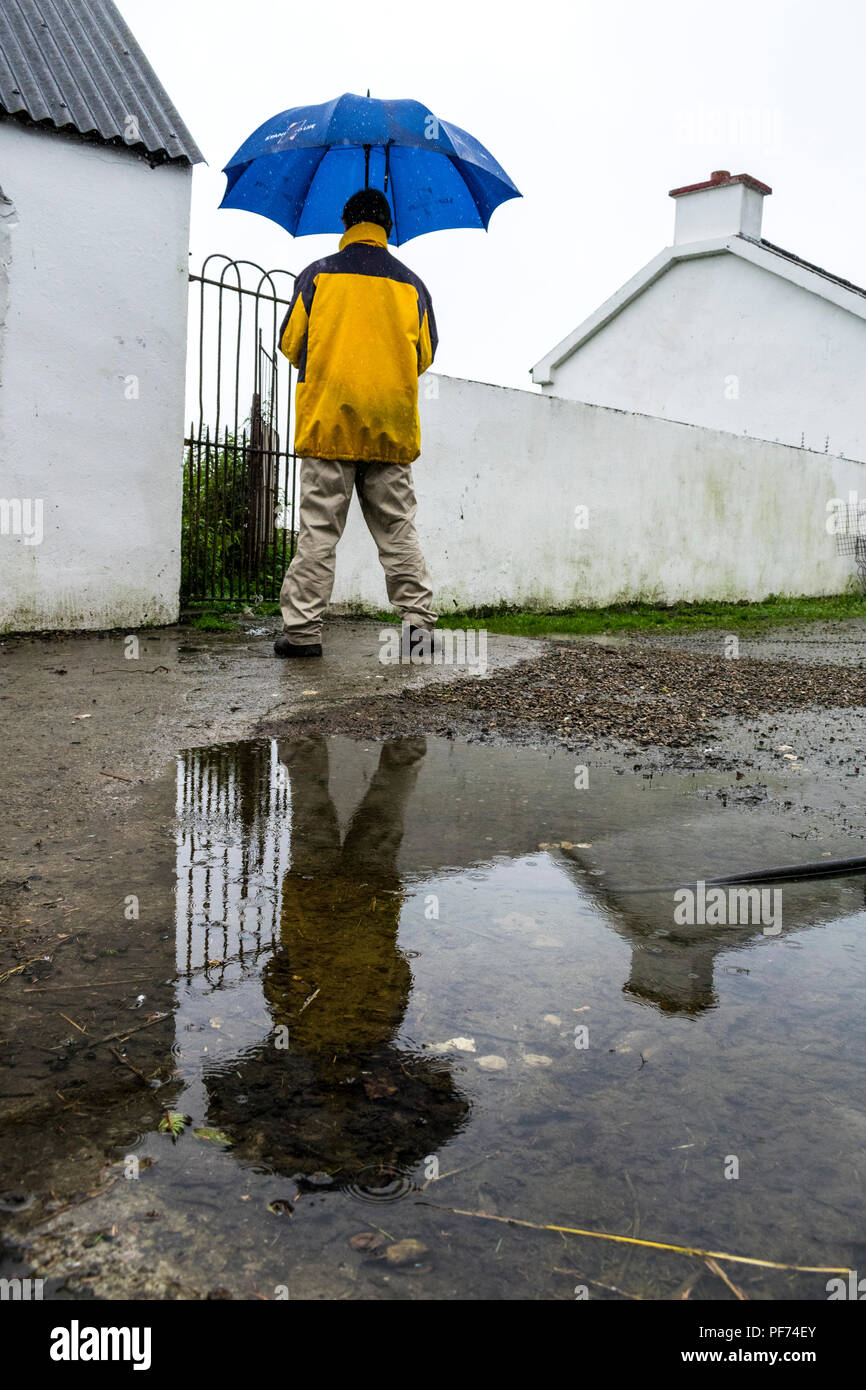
<point x="644" y="695"/>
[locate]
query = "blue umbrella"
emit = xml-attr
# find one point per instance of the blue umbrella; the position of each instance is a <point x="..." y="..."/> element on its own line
<point x="299" y="168"/>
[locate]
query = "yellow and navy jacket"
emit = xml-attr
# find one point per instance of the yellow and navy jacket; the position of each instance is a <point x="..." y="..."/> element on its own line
<point x="360" y="331"/>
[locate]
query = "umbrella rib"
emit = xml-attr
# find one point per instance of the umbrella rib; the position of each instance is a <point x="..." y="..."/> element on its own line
<point x="452" y="160"/>
<point x="319" y="162"/>
<point x="394" y="202"/>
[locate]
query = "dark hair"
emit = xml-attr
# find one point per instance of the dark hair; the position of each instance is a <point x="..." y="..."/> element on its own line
<point x="368" y="205"/>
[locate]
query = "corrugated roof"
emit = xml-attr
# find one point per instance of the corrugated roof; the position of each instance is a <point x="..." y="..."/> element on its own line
<point x="76" y="65"/>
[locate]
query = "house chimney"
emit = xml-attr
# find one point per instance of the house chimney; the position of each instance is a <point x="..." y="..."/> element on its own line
<point x="726" y="205"/>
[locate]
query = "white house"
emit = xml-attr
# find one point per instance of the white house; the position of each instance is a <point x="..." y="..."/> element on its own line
<point x="725" y="330"/>
<point x="95" y="176"/>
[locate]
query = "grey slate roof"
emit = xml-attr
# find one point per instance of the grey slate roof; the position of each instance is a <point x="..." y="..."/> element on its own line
<point x="809" y="265"/>
<point x="75" y="64"/>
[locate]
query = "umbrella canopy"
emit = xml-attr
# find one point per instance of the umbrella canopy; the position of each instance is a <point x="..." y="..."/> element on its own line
<point x="299" y="168"/>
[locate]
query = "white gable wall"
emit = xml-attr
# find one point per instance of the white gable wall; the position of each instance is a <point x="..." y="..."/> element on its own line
<point x="719" y="342"/>
<point x="94" y="310"/>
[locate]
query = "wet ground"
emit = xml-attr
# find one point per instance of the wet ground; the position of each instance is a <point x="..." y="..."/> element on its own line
<point x="391" y="986"/>
<point x="826" y="643"/>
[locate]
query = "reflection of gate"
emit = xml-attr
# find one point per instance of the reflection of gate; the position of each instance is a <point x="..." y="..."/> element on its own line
<point x="240" y="474"/>
<point x="233" y="838"/>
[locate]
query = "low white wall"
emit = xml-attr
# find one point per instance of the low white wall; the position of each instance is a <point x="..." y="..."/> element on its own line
<point x="93" y="314"/>
<point x="674" y="511"/>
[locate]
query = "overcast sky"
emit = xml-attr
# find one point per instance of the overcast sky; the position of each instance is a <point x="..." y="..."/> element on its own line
<point x="595" y="109"/>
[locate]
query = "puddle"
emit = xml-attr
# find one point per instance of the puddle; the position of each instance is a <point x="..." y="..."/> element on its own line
<point x="390" y="1002"/>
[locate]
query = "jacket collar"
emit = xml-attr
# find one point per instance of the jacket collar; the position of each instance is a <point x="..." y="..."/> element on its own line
<point x="364" y="231"/>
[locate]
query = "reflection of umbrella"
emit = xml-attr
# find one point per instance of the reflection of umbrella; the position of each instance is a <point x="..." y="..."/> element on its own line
<point x="299" y="168"/>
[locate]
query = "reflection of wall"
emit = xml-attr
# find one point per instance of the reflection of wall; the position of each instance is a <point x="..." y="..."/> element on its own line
<point x="473" y="803"/>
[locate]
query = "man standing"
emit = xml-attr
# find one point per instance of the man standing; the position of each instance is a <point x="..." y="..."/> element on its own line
<point x="360" y="331"/>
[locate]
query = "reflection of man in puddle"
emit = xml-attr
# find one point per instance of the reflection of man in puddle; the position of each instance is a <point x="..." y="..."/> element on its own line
<point x="339" y="981"/>
<point x="341" y="1097"/>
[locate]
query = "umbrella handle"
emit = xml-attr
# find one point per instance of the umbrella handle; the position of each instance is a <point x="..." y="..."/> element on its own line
<point x="367" y="149"/>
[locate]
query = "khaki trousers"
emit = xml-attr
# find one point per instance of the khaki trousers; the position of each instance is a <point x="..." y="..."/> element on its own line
<point x="388" y="504"/>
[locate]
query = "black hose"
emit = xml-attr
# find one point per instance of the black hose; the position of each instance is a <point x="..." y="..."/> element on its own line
<point x="789" y="873"/>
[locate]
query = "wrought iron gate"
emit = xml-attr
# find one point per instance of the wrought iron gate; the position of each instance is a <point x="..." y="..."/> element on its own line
<point x="239" y="471"/>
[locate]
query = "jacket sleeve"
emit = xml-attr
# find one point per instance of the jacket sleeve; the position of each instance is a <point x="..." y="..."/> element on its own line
<point x="428" y="338"/>
<point x="293" y="330"/>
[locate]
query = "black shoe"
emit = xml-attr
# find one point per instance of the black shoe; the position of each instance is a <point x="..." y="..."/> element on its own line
<point x="285" y="647"/>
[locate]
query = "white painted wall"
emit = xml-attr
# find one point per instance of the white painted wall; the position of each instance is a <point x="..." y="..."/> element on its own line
<point x="96" y="293"/>
<point x="675" y="511"/>
<point x="717" y="341"/>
